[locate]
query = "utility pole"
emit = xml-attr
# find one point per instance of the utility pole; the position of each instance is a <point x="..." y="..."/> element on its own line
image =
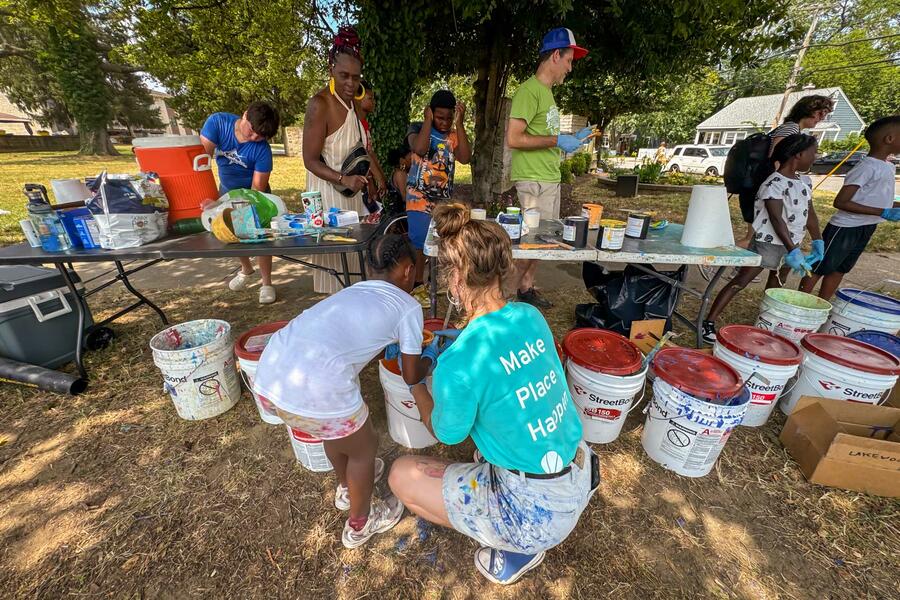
<point x="792" y="81"/>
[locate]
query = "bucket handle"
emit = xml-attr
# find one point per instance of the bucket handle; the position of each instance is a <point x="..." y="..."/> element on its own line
<point x="871" y="285"/>
<point x="638" y="402"/>
<point x="199" y="158"/>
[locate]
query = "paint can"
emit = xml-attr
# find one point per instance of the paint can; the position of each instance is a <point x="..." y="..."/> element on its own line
<point x="843" y="369"/>
<point x="198" y="367"/>
<point x="638" y="225"/>
<point x="248" y="348"/>
<point x="511" y="222"/>
<point x="611" y="235"/>
<point x="309" y="451"/>
<point x="792" y="314"/>
<point x="698" y="400"/>
<point x="404" y="421"/>
<point x="765" y="361"/>
<point x="605" y="373"/>
<point x="855" y="310"/>
<point x="575" y="230"/>
<point x="478" y="214"/>
<point x="594" y="212"/>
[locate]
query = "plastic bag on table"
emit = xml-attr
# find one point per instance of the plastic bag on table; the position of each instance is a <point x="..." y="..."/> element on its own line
<point x="625" y="296"/>
<point x="130" y="210"/>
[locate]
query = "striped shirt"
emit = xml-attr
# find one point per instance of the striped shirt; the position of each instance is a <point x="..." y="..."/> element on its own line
<point x="785" y="129"/>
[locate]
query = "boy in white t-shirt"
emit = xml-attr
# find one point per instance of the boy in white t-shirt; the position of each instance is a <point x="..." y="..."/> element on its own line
<point x="865" y="200"/>
<point x="783" y="214"/>
<point x="310" y="372"/>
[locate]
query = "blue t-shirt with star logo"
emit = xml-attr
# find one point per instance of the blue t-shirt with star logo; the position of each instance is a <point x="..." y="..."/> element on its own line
<point x="237" y="161"/>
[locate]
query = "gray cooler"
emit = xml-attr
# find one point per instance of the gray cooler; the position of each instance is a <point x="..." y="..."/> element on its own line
<point x="38" y="316"/>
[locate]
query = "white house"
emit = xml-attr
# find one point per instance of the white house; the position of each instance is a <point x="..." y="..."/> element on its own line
<point x="746" y="116"/>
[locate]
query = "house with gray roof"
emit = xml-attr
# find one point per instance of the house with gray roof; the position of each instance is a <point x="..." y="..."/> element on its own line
<point x="746" y="116"/>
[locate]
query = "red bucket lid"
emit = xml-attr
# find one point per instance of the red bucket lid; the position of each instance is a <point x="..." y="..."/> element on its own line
<point x="759" y="344"/>
<point x="852" y="353"/>
<point x="697" y="374"/>
<point x="435" y="324"/>
<point x="240" y="344"/>
<point x="602" y="351"/>
<point x="302" y="436"/>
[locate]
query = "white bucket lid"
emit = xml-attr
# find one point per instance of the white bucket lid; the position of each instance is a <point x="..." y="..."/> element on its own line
<point x="166" y="141"/>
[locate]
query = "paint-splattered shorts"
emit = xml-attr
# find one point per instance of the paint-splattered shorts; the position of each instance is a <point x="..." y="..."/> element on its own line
<point x="511" y="512"/>
<point x="327" y="429"/>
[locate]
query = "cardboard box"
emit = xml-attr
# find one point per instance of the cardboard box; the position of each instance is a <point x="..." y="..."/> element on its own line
<point x="847" y="445"/>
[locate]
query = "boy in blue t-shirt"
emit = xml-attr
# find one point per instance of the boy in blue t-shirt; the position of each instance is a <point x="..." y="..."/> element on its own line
<point x="241" y="149"/>
<point x="431" y="179"/>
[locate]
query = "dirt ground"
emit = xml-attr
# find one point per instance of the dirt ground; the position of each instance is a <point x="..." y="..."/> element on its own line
<point x="110" y="495"/>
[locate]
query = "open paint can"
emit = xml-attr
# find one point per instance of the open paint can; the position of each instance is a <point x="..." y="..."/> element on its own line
<point x="575" y="231"/>
<point x="611" y="235"/>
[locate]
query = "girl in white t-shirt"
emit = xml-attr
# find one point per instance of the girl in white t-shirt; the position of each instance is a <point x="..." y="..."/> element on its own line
<point x="310" y="372"/>
<point x="782" y="215"/>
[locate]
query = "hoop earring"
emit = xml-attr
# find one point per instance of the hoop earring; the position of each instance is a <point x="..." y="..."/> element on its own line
<point x="331" y="85"/>
<point x="361" y="94"/>
<point x="454" y="302"/>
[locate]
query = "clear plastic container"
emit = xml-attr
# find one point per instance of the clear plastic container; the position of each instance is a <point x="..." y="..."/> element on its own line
<point x="49" y="227"/>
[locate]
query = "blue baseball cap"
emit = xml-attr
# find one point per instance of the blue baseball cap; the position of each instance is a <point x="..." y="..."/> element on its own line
<point x="562" y="38"/>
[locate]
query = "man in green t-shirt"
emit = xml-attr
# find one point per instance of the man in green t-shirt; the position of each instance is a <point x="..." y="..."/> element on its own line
<point x="533" y="134"/>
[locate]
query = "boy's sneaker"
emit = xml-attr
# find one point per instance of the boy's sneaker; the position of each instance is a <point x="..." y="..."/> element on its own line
<point x="342" y="494"/>
<point x="533" y="297"/>
<point x="708" y="332"/>
<point x="383" y="515"/>
<point x="505" y="567"/>
<point x="240" y="281"/>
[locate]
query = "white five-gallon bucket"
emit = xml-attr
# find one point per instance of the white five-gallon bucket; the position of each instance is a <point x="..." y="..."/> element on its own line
<point x="844" y="369"/>
<point x="765" y="361"/>
<point x="309" y="451"/>
<point x="248" y="348"/>
<point x="792" y="314"/>
<point x="404" y="421"/>
<point x="197" y="363"/>
<point x="854" y="310"/>
<point x="684" y="432"/>
<point x="605" y="373"/>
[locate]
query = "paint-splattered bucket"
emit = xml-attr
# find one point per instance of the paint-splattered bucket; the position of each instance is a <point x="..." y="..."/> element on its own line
<point x="792" y="314"/>
<point x="697" y="402"/>
<point x="309" y="451"/>
<point x="855" y="310"/>
<point x="605" y="373"/>
<point x="879" y="339"/>
<point x="843" y="369"/>
<point x="198" y="368"/>
<point x="765" y="361"/>
<point x="404" y="421"/>
<point x="248" y="348"/>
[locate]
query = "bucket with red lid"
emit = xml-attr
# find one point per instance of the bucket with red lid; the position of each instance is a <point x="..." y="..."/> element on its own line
<point x="605" y="372"/>
<point x="764" y="360"/>
<point x="249" y="348"/>
<point x="309" y="451"/>
<point x="843" y="369"/>
<point x="697" y="402"/>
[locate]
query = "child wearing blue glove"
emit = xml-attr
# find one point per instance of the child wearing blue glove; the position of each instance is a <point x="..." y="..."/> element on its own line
<point x="310" y="372"/>
<point x="865" y="200"/>
<point x="784" y="212"/>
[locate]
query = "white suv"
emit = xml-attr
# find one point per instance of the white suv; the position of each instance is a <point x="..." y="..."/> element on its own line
<point x="708" y="160"/>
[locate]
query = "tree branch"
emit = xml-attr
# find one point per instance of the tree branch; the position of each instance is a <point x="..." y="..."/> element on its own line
<point x="123" y="69"/>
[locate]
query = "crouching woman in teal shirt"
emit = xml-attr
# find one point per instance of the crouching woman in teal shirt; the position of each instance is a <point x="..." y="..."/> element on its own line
<point x="501" y="382"/>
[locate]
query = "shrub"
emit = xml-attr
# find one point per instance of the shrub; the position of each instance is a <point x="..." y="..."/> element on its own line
<point x="580" y="162"/>
<point x="848" y="143"/>
<point x="648" y="171"/>
<point x="565" y="171"/>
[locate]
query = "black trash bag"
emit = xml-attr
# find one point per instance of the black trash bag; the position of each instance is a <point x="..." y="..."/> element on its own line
<point x="626" y="296"/>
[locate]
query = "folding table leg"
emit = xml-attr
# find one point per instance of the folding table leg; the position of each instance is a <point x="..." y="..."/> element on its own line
<point x="123" y="277"/>
<point x="80" y="310"/>
<point x="346" y="266"/>
<point x="362" y="264"/>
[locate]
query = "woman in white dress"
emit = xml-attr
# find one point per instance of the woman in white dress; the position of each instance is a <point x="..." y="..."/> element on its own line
<point x="331" y="130"/>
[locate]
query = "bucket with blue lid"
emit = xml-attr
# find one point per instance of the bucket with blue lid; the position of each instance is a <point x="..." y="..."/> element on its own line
<point x="854" y="310"/>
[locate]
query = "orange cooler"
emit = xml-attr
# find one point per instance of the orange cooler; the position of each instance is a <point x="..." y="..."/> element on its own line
<point x="184" y="169"/>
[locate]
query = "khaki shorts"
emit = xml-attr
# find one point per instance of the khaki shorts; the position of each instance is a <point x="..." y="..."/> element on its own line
<point x="541" y="195"/>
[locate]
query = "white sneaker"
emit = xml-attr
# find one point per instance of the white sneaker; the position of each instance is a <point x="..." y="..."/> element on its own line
<point x="383" y="515"/>
<point x="266" y="294"/>
<point x="239" y="281"/>
<point x="342" y="494"/>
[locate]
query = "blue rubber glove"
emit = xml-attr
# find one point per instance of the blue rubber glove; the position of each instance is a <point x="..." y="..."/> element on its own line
<point x="568" y="143"/>
<point x="392" y="351"/>
<point x="447" y="337"/>
<point x="891" y="214"/>
<point x="432" y="351"/>
<point x="817" y="254"/>
<point x="794" y="259"/>
<point x="581" y="135"/>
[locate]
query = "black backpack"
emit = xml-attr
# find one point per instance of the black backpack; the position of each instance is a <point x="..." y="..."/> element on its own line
<point x="747" y="164"/>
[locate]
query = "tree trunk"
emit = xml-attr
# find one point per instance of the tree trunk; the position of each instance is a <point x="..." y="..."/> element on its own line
<point x="96" y="143"/>
<point x="493" y="72"/>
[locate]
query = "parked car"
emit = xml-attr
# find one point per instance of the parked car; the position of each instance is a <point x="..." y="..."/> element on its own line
<point x="708" y="160"/>
<point x="824" y="165"/>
